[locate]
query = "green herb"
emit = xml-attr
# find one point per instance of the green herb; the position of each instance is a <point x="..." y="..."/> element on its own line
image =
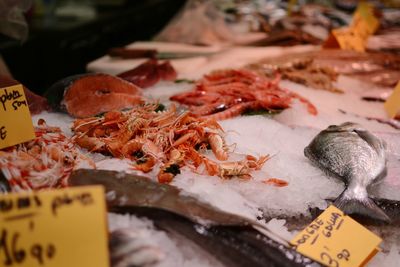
<point x="261" y="112"/>
<point x="100" y="115"/>
<point x="141" y="161"/>
<point x="139" y="155"/>
<point x="160" y="107"/>
<point x="184" y="81"/>
<point x="173" y="169"/>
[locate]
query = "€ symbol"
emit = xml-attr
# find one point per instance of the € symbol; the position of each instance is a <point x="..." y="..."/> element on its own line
<point x="3" y="133"/>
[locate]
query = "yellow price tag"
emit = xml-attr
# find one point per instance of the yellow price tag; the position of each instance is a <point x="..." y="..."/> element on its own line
<point x="60" y="228"/>
<point x="365" y="12"/>
<point x="361" y="28"/>
<point x="348" y="39"/>
<point x="335" y="239"/>
<point x="15" y="119"/>
<point x="290" y="6"/>
<point x="392" y="104"/>
<point x="354" y="37"/>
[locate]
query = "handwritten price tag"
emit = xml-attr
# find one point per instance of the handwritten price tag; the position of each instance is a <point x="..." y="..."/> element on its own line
<point x="15" y="119"/>
<point x="336" y="240"/>
<point x="365" y="12"/>
<point x="354" y="37"/>
<point x="392" y="104"/>
<point x="54" y="228"/>
<point x="349" y="39"/>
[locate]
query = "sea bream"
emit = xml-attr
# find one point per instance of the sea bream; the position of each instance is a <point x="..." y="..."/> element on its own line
<point x="351" y="153"/>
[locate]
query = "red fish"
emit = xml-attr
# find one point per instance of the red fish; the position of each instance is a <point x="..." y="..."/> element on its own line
<point x="91" y="94"/>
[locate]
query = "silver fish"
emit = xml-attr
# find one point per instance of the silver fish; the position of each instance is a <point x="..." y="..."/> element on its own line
<point x="131" y="247"/>
<point x="352" y="154"/>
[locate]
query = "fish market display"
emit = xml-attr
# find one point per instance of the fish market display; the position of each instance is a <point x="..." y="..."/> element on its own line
<point x="376" y="68"/>
<point x="44" y="162"/>
<point x="354" y="155"/>
<point x="36" y="103"/>
<point x="91" y="94"/>
<point x="174" y="140"/>
<point x="228" y="93"/>
<point x="149" y="73"/>
<point x="302" y="71"/>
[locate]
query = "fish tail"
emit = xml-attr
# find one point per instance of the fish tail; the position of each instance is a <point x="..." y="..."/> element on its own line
<point x="364" y="206"/>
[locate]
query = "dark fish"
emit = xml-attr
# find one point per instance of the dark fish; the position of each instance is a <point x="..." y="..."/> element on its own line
<point x="234" y="246"/>
<point x="354" y="155"/>
<point x="134" y="190"/>
<point x="233" y="238"/>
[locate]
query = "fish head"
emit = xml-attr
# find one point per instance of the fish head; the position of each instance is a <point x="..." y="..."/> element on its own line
<point x="345" y="127"/>
<point x="351" y="127"/>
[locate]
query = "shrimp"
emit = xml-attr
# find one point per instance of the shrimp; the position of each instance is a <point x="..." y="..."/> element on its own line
<point x="218" y="146"/>
<point x="232" y="111"/>
<point x="275" y="182"/>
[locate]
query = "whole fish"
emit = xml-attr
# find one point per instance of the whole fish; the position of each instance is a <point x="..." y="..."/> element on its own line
<point x="352" y="154"/>
<point x="236" y="241"/>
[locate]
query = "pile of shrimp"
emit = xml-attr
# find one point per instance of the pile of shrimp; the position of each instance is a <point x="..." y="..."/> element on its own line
<point x="44" y="162"/>
<point x="167" y="139"/>
<point x="228" y="93"/>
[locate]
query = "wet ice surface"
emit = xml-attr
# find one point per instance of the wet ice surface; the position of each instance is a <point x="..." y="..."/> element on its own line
<point x="164" y="90"/>
<point x="331" y="106"/>
<point x="177" y="251"/>
<point x="259" y="135"/>
<point x="62" y="120"/>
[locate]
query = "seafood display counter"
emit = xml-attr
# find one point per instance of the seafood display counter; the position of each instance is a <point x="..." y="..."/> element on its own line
<point x="221" y="158"/>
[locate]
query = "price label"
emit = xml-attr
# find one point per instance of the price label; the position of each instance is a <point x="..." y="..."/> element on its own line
<point x="349" y="39"/>
<point x="354" y="37"/>
<point x="290" y="6"/>
<point x="392" y="104"/>
<point x="54" y="228"/>
<point x="365" y="12"/>
<point x="15" y="119"/>
<point x="336" y="240"/>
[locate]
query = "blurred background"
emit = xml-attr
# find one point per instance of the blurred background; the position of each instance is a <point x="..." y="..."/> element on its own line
<point x="61" y="37"/>
<point x="42" y="41"/>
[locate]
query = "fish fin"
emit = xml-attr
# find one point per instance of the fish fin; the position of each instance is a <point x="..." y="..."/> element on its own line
<point x="365" y="206"/>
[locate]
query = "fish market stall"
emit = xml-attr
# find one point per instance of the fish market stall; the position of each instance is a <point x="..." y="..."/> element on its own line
<point x="221" y="155"/>
<point x="273" y="189"/>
